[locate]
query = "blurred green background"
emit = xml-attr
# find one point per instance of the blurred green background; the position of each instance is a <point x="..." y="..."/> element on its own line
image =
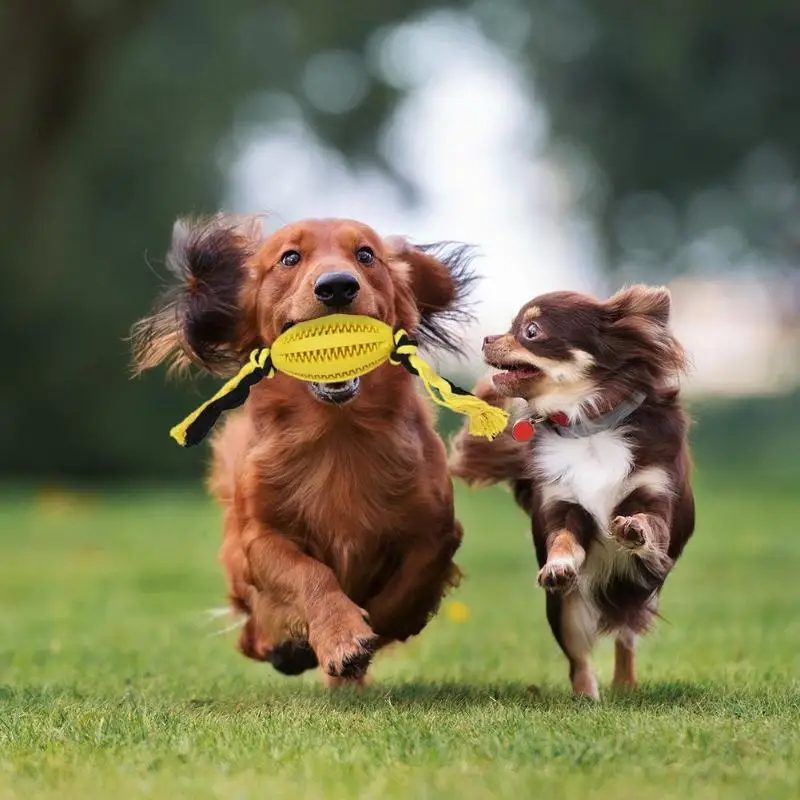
<point x="578" y="143"/>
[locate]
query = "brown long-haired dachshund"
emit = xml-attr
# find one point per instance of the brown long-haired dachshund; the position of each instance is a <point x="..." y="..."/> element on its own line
<point x="339" y="530"/>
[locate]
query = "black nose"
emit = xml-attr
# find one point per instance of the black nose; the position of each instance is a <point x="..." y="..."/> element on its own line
<point x="336" y="289"/>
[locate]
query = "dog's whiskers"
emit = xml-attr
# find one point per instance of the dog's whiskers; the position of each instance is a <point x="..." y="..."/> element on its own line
<point x="217" y="613"/>
<point x="235" y="625"/>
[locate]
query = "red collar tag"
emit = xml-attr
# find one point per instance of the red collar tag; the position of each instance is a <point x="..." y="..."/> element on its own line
<point x="559" y="418"/>
<point x="523" y="430"/>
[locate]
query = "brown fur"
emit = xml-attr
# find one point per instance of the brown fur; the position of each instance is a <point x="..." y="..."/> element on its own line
<point x="339" y="527"/>
<point x="569" y="353"/>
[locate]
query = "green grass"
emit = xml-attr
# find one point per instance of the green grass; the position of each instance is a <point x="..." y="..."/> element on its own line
<point x="112" y="684"/>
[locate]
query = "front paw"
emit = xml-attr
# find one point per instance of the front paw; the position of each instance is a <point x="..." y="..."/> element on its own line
<point x="343" y="641"/>
<point x="292" y="657"/>
<point x="630" y="532"/>
<point x="559" y="576"/>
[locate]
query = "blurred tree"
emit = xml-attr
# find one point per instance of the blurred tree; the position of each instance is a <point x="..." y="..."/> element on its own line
<point x="120" y="115"/>
<point x="677" y="119"/>
<point x="680" y="122"/>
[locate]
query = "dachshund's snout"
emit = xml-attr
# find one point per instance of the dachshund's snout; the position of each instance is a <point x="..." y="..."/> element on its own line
<point x="336" y="289"/>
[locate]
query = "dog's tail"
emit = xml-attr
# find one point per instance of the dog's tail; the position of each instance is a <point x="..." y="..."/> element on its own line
<point x="479" y="462"/>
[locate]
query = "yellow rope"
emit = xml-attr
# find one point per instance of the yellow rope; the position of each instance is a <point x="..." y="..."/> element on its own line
<point x="484" y="419"/>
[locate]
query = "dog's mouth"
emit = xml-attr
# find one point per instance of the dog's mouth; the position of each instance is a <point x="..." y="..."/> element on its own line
<point x="513" y="372"/>
<point x="336" y="393"/>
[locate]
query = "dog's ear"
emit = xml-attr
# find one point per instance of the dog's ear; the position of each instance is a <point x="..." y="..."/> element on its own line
<point x="650" y="302"/>
<point x="440" y="277"/>
<point x="202" y="320"/>
<point x="638" y="328"/>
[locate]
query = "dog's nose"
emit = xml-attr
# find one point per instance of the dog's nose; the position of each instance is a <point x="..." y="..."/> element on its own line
<point x="488" y="340"/>
<point x="336" y="289"/>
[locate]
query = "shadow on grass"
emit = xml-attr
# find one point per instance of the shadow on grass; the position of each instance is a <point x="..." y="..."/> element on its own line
<point x="673" y="693"/>
<point x="452" y="696"/>
<point x="418" y="695"/>
<point x="433" y="695"/>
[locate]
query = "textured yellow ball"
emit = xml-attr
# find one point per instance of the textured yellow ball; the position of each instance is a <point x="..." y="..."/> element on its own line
<point x="333" y="348"/>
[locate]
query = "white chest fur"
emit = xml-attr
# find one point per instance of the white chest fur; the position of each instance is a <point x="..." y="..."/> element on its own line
<point x="591" y="471"/>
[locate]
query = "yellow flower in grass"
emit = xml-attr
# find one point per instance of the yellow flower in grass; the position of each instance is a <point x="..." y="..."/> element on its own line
<point x="56" y="501"/>
<point x="456" y="612"/>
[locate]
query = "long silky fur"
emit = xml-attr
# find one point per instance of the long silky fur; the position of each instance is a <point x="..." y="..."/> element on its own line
<point x="636" y="334"/>
<point x="197" y="320"/>
<point x="440" y="328"/>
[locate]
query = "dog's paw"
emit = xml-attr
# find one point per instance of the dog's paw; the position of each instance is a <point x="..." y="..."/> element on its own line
<point x="559" y="576"/>
<point x="630" y="532"/>
<point x="292" y="657"/>
<point x="345" y="643"/>
<point x="350" y="656"/>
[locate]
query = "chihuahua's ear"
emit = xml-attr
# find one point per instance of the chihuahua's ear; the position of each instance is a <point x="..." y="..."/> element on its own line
<point x="650" y="302"/>
<point x="638" y="328"/>
<point x="440" y="277"/>
<point x="203" y="319"/>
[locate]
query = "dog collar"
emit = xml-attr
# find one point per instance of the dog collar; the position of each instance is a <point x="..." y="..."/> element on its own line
<point x="524" y="429"/>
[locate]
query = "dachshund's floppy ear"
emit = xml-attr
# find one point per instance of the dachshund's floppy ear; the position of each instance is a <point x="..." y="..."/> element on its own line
<point x="440" y="277"/>
<point x="201" y="320"/>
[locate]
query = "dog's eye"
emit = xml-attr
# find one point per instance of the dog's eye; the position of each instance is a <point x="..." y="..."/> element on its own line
<point x="364" y="255"/>
<point x="291" y="258"/>
<point x="532" y="330"/>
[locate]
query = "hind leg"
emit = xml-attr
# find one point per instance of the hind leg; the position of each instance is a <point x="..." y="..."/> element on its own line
<point x="624" y="660"/>
<point x="574" y="623"/>
<point x="638" y="623"/>
<point x="413" y="593"/>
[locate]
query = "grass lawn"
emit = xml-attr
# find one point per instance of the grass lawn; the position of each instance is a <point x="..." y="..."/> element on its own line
<point x="112" y="684"/>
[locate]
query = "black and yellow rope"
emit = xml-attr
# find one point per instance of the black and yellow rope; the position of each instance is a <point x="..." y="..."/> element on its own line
<point x="484" y="420"/>
<point x="197" y="425"/>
